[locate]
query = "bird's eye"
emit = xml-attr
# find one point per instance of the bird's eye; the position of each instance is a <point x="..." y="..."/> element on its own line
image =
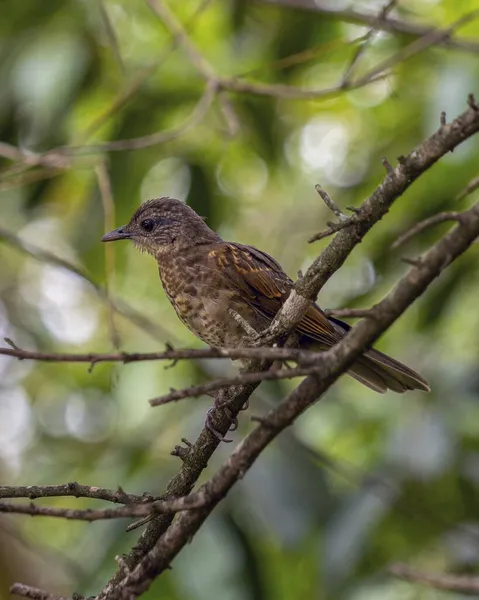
<point x="148" y="225"/>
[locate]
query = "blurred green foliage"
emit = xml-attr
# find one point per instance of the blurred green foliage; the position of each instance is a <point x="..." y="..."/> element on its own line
<point x="358" y="482"/>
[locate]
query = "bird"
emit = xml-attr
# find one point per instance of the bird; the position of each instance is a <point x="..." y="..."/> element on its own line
<point x="209" y="280"/>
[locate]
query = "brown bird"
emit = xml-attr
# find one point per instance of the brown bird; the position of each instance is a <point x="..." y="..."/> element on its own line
<point x="205" y="278"/>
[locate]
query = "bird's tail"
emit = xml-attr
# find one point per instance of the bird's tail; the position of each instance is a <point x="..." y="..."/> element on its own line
<point x="376" y="370"/>
<point x="381" y="373"/>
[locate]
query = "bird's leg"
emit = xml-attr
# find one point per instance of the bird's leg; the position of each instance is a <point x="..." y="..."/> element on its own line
<point x="221" y="403"/>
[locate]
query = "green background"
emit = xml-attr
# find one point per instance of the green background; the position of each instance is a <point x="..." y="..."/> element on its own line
<point x="361" y="480"/>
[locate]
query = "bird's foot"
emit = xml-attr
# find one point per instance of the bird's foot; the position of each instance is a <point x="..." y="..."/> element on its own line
<point x="225" y="405"/>
<point x="212" y="429"/>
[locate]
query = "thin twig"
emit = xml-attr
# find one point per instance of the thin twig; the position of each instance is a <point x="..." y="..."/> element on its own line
<point x="390" y="24"/>
<point x="344" y="220"/>
<point x="416" y="47"/>
<point x="243" y="323"/>
<point x="27" y="591"/>
<point x="134" y="316"/>
<point x="198" y="113"/>
<point x="300" y="356"/>
<point x="98" y="514"/>
<point x="472" y="186"/>
<point x="194" y="391"/>
<point x="237" y="84"/>
<point x="111" y="35"/>
<point x="466" y="584"/>
<point x="108" y="204"/>
<point x="422" y="225"/>
<point x="360" y="49"/>
<point x="330" y="203"/>
<point x="71" y="489"/>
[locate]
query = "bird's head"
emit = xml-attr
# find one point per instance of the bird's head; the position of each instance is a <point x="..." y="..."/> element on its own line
<point x="162" y="225"/>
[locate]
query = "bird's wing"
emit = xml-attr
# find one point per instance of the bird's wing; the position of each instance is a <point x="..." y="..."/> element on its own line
<point x="267" y="286"/>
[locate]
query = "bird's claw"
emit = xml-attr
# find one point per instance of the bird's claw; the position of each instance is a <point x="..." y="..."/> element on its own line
<point x="212" y="429"/>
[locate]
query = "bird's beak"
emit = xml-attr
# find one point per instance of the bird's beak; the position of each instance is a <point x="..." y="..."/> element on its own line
<point x="116" y="234"/>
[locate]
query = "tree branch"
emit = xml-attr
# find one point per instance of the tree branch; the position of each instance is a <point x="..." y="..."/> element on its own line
<point x="422" y="225"/>
<point x="71" y="489"/>
<point x="300" y="356"/>
<point x="388" y="23"/>
<point x="27" y="591"/>
<point x="465" y="584"/>
<point x="98" y="514"/>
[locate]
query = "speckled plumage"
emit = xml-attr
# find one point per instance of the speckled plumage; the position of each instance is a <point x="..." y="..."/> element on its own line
<point x="205" y="278"/>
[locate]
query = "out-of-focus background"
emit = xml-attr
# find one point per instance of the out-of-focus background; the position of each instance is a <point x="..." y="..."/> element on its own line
<point x="361" y="480"/>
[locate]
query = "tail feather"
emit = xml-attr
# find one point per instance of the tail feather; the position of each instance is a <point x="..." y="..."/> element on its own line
<point x="376" y="370"/>
<point x="381" y="372"/>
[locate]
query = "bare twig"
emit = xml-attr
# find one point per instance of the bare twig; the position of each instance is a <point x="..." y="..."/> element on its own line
<point x="330" y="203"/>
<point x="466" y="584"/>
<point x="98" y="514"/>
<point x="332" y="229"/>
<point x="106" y="194"/>
<point x="120" y="306"/>
<point x="248" y="330"/>
<point x="71" y="489"/>
<point x="416" y="47"/>
<point x="472" y="186"/>
<point x="237" y="84"/>
<point x="198" y="113"/>
<point x="360" y="49"/>
<point x="422" y="225"/>
<point x="390" y="24"/>
<point x="111" y="35"/>
<point x="300" y="356"/>
<point x="344" y="220"/>
<point x="244" y="378"/>
<point x="27" y="591"/>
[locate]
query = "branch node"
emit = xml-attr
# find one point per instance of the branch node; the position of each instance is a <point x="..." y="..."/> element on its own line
<point x="422" y="225"/>
<point x="414" y="262"/>
<point x="247" y="328"/>
<point x="92" y="365"/>
<point x="330" y="203"/>
<point x="121" y="562"/>
<point x="471" y="102"/>
<point x="332" y="229"/>
<point x="401" y="159"/>
<point x="182" y="451"/>
<point x="12" y="344"/>
<point x="442" y="119"/>
<point x="387" y="165"/>
<point x="261" y="420"/>
<point x="353" y="209"/>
